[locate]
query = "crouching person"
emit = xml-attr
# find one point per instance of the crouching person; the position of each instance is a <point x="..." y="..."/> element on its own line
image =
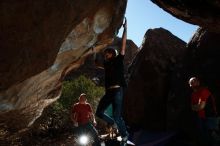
<point x="83" y="118"/>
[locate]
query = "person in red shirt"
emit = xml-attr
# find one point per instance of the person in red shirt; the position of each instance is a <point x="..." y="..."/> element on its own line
<point x="200" y="101"/>
<point x="199" y="97"/>
<point x="84" y="119"/>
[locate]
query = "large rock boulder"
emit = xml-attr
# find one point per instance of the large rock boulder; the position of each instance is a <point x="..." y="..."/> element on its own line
<point x="149" y="85"/>
<point x="159" y="80"/>
<point x="204" y="13"/>
<point x="41" y="42"/>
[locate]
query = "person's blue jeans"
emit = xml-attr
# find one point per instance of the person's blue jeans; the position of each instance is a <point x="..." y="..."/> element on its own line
<point x="202" y="128"/>
<point x="115" y="97"/>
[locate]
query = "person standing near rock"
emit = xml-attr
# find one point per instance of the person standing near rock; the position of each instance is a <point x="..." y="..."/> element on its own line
<point x="203" y="105"/>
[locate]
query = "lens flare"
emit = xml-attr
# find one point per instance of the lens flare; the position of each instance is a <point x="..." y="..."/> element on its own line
<point x="83" y="139"/>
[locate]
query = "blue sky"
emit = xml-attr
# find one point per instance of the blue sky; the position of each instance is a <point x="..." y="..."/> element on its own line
<point x="143" y="14"/>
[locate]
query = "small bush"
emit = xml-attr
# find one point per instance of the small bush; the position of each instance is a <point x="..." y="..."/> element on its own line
<point x="72" y="89"/>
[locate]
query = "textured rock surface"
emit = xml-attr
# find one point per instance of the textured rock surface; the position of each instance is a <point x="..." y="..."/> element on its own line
<point x="159" y="80"/>
<point x="39" y="48"/>
<point x="147" y="93"/>
<point x="205" y="13"/>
